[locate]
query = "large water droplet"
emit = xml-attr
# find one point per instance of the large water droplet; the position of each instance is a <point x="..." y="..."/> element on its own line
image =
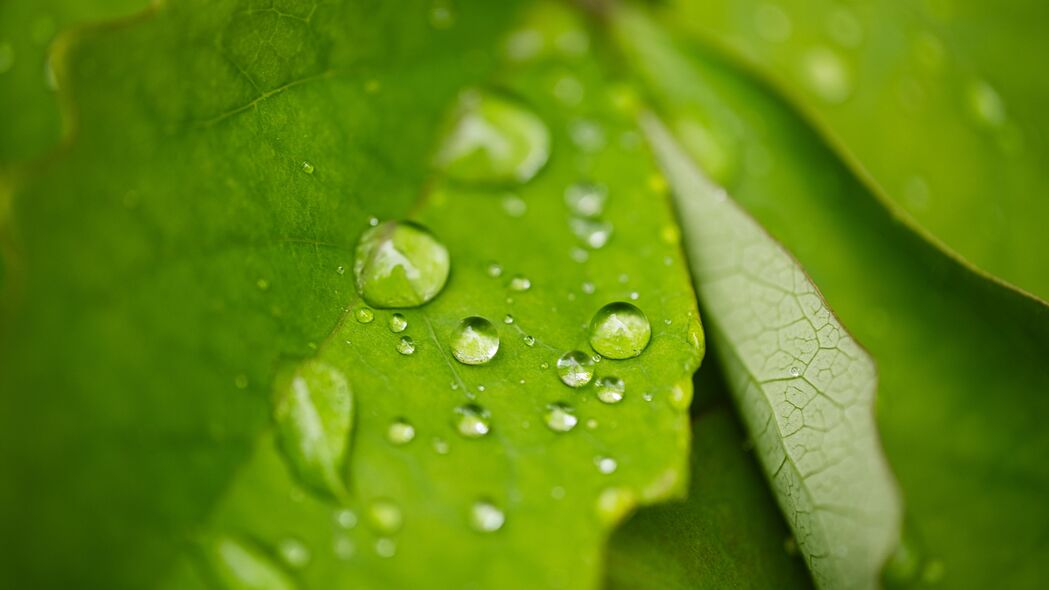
<point x="400" y="264"/>
<point x="575" y="368"/>
<point x="610" y="389"/>
<point x="475" y="341"/>
<point x="398" y="323"/>
<point x="619" y="331"/>
<point x="406" y="346"/>
<point x="238" y="565"/>
<point x="486" y="517"/>
<point x="400" y="432"/>
<point x="472" y="421"/>
<point x="385" y="516"/>
<point x="313" y="409"/>
<point x="560" y="417"/>
<point x="494" y="140"/>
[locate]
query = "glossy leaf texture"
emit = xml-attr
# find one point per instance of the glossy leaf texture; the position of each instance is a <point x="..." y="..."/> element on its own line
<point x="195" y="241"/>
<point x="962" y="138"/>
<point x="962" y="381"/>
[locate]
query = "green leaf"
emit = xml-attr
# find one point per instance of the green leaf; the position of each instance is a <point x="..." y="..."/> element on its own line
<point x="961" y="358"/>
<point x="958" y="141"/>
<point x="804" y="387"/>
<point x="194" y="241"/>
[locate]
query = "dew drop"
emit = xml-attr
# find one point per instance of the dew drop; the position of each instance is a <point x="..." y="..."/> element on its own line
<point x="384" y="516"/>
<point x="595" y="233"/>
<point x="586" y="199"/>
<point x="294" y="552"/>
<point x="529" y="340"/>
<point x="575" y="368"/>
<point x="486" y="517"/>
<point x="398" y="323"/>
<point x="400" y="432"/>
<point x="406" y="345"/>
<point x="345" y="518"/>
<point x="494" y="270"/>
<point x="494" y="140"/>
<point x="343" y="547"/>
<point x="340" y="269"/>
<point x="619" y="331"/>
<point x="520" y="283"/>
<point x="440" y="446"/>
<point x="364" y="315"/>
<point x="588" y="136"/>
<point x="514" y="206"/>
<point x="385" y="547"/>
<point x="606" y="465"/>
<point x="400" y="264"/>
<point x="508" y="319"/>
<point x="588" y="288"/>
<point x="610" y="390"/>
<point x="579" y="255"/>
<point x="307" y="167"/>
<point x="827" y="75"/>
<point x="475" y="341"/>
<point x="472" y="421"/>
<point x="560" y="417"/>
<point x="795" y="372"/>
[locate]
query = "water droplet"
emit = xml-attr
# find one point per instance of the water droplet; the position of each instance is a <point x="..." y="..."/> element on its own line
<point x="400" y="432"/>
<point x="634" y="295"/>
<point x="345" y="518"/>
<point x="494" y="270"/>
<point x="614" y="503"/>
<point x="238" y="565"/>
<point x="472" y="421"/>
<point x="486" y="517"/>
<point x="520" y="283"/>
<point x="772" y="23"/>
<point x="560" y="417"/>
<point x="406" y="345"/>
<point x="340" y="269"/>
<point x="647" y="396"/>
<point x="385" y="516"/>
<point x="307" y="167"/>
<point x="592" y="232"/>
<point x="529" y="340"/>
<point x="985" y="104"/>
<point x="385" y="547"/>
<point x="400" y="264"/>
<point x="588" y="288"/>
<point x="509" y="319"/>
<point x="795" y="372"/>
<point x="475" y="341"/>
<point x="364" y="315"/>
<point x="579" y="255"/>
<point x="373" y="221"/>
<point x="619" y="331"/>
<point x="591" y="424"/>
<point x="514" y="206"/>
<point x="313" y="410"/>
<point x="827" y="75"/>
<point x="575" y="368"/>
<point x="902" y="566"/>
<point x="587" y="135"/>
<point x="440" y="446"/>
<point x="398" y="323"/>
<point x="343" y="547"/>
<point x="610" y="390"/>
<point x="606" y="465"/>
<point x="544" y="365"/>
<point x="494" y="140"/>
<point x="294" y="552"/>
<point x="524" y="44"/>
<point x="586" y="199"/>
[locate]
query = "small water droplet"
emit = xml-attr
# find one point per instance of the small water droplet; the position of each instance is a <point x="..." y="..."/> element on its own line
<point x="827" y="75"/>
<point x="520" y="283"/>
<point x="606" y="465"/>
<point x="364" y="315"/>
<point x="587" y="135"/>
<point x="586" y="199"/>
<point x="591" y="424"/>
<point x="610" y="390"/>
<point x="262" y="284"/>
<point x="620" y="331"/>
<point x="614" y="503"/>
<point x="529" y="340"/>
<point x="494" y="270"/>
<point x="406" y="345"/>
<point x="307" y="167"/>
<point x="400" y="432"/>
<point x="524" y="44"/>
<point x="398" y="323"/>
<point x="508" y="319"/>
<point x="588" y="288"/>
<point x="575" y="368"/>
<point x="384" y="516"/>
<point x="985" y="104"/>
<point x="647" y="396"/>
<point x="345" y="518"/>
<point x="373" y="221"/>
<point x="514" y="206"/>
<point x="579" y="255"/>
<point x="475" y="341"/>
<point x="560" y="417"/>
<point x="634" y="295"/>
<point x="494" y="140"/>
<point x="440" y="446"/>
<point x="544" y="365"/>
<point x="400" y="264"/>
<point x="594" y="233"/>
<point x="294" y="552"/>
<point x="795" y="372"/>
<point x="486" y="517"/>
<point x="772" y="23"/>
<point x="343" y="547"/>
<point x="385" y="547"/>
<point x="472" y="421"/>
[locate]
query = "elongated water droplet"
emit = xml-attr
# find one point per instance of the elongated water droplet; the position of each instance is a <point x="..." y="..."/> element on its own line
<point x="238" y="565"/>
<point x="494" y="140"/>
<point x="620" y="331"/>
<point x="520" y="283"/>
<point x="560" y="417"/>
<point x="385" y="516"/>
<point x="400" y="432"/>
<point x="472" y="421"/>
<point x="610" y="389"/>
<point x="400" y="264"/>
<point x="313" y="409"/>
<point x="475" y="341"/>
<point x="398" y="323"/>
<point x="486" y="517"/>
<point x="406" y="345"/>
<point x="575" y="368"/>
<point x="294" y="552"/>
<point x="364" y="315"/>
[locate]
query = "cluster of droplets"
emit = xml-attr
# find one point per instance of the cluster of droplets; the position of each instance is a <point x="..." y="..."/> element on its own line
<point x="586" y="203"/>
